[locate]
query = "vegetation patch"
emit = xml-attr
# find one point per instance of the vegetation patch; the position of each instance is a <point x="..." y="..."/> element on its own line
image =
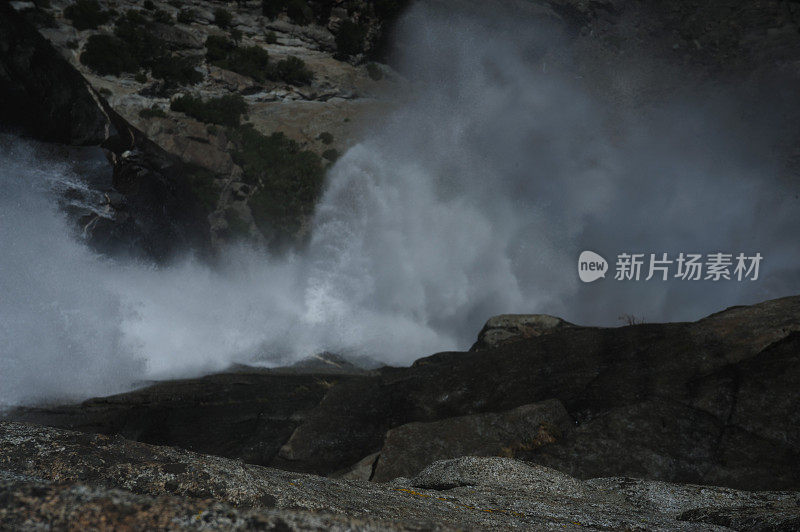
<point x="288" y="180"/>
<point x="201" y="181"/>
<point x="299" y="12"/>
<point x="108" y="55"/>
<point x="222" y="18"/>
<point x="292" y="70"/>
<point x="152" y="112"/>
<point x="224" y="110"/>
<point x="249" y="61"/>
<point x="253" y="61"/>
<point x="236" y="226"/>
<point x="86" y="14"/>
<point x="350" y="38"/>
<point x="162" y="16"/>
<point x="133" y="48"/>
<point x="187" y="16"/>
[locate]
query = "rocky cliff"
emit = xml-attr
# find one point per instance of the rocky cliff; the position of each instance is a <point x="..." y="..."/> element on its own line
<point x="249" y="102"/>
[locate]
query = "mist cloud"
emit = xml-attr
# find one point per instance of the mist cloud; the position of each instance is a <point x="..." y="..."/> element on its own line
<point x="474" y="198"/>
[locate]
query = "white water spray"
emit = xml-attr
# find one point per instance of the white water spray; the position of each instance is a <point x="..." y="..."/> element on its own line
<point x="473" y="199"/>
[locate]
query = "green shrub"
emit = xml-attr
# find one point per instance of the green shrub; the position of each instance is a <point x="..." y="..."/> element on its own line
<point x="152" y="112"/>
<point x="149" y="5"/>
<point x="163" y="17"/>
<point x="236" y="35"/>
<point x="40" y="18"/>
<point x="132" y="49"/>
<point x="331" y="154"/>
<point x="187" y="16"/>
<point x="225" y="110"/>
<point x="272" y="8"/>
<point x="201" y="181"/>
<point x="299" y="12"/>
<point x="86" y="14"/>
<point x="350" y="39"/>
<point x="218" y="48"/>
<point x="142" y="45"/>
<point x="272" y="37"/>
<point x="249" y="61"/>
<point x="289" y="180"/>
<point x="236" y="226"/>
<point x="105" y="91"/>
<point x="222" y="18"/>
<point x="141" y="77"/>
<point x="325" y="137"/>
<point x="389" y="9"/>
<point x="179" y="70"/>
<point x="293" y="70"/>
<point x="374" y="72"/>
<point x="106" y="54"/>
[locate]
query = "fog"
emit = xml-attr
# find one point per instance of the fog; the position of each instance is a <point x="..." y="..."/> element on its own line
<point x="474" y="198"/>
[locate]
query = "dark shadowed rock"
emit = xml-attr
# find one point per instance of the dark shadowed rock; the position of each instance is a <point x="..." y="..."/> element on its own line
<point x="73" y="480"/>
<point x="410" y="448"/>
<point x="238" y="415"/>
<point x="647" y="376"/>
<point x="41" y="95"/>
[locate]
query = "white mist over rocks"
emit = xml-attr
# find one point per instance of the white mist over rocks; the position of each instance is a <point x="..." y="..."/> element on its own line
<point x="475" y="198"/>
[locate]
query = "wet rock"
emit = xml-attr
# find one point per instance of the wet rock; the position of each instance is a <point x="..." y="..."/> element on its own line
<point x="635" y="392"/>
<point x="246" y="414"/>
<point x="410" y="448"/>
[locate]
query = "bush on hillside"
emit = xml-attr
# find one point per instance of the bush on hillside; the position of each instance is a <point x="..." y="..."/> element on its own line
<point x="292" y="70"/>
<point x="224" y="110"/>
<point x="289" y="180"/>
<point x="222" y="18"/>
<point x="350" y="38"/>
<point x="108" y="55"/>
<point x="86" y="14"/>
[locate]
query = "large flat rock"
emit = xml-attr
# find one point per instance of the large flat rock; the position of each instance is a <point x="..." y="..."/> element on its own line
<point x="51" y="477"/>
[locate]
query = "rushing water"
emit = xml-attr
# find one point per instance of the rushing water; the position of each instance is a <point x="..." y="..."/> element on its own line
<point x="475" y="198"/>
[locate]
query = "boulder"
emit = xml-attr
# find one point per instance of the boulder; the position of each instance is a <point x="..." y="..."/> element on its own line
<point x="510" y="327"/>
<point x="648" y="377"/>
<point x="69" y="480"/>
<point x="409" y="448"/>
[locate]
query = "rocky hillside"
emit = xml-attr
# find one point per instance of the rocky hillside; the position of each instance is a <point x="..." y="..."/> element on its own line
<point x="249" y="102"/>
<point x="253" y="99"/>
